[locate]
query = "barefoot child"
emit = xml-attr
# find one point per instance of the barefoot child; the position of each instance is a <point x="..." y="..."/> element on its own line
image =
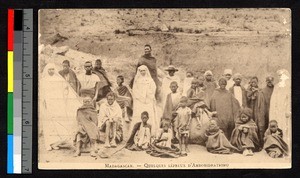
<point x="164" y="136"/>
<point x="182" y="124"/>
<point x="110" y="113"/>
<point x="217" y="142"/>
<point x="244" y="136"/>
<point x="140" y="135"/>
<point x="273" y="142"/>
<point x="124" y="98"/>
<point x="87" y="132"/>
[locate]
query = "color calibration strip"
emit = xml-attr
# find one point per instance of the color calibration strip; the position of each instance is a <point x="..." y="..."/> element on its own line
<point x="19" y="109"/>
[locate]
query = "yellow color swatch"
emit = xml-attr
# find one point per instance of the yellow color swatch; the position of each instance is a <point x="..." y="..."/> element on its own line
<point x="10" y="71"/>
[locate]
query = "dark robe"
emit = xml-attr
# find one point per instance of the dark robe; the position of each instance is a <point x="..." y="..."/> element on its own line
<point x="163" y="152"/>
<point x="104" y="84"/>
<point x="267" y="92"/>
<point x="87" y="122"/>
<point x="170" y="108"/>
<point x="73" y="81"/>
<point x="242" y="140"/>
<point x="210" y="88"/>
<point x="130" y="142"/>
<point x="274" y="144"/>
<point x="256" y="102"/>
<point x="244" y="94"/>
<point x="124" y="102"/>
<point x="227" y="108"/>
<point x="217" y="143"/>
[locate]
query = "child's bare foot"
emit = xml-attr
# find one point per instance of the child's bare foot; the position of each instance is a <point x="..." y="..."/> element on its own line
<point x="93" y="153"/>
<point x="77" y="153"/>
<point x="49" y="148"/>
<point x="187" y="150"/>
<point x="113" y="143"/>
<point x="107" y="145"/>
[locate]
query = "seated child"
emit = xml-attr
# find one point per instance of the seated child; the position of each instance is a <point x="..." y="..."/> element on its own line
<point x="195" y="93"/>
<point x="217" y="142"/>
<point x="141" y="134"/>
<point x="273" y="142"/>
<point x="87" y="130"/>
<point x="164" y="136"/>
<point x="202" y="114"/>
<point x="110" y="114"/>
<point x="187" y="82"/>
<point x="244" y="136"/>
<point x="124" y="98"/>
<point x="182" y="124"/>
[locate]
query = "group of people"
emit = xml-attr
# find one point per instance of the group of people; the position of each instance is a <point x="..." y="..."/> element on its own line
<point x="224" y="116"/>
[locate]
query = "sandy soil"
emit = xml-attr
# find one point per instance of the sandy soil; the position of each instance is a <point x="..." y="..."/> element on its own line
<point x="251" y="42"/>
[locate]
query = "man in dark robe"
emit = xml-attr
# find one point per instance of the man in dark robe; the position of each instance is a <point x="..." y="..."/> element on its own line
<point x="104" y="84"/>
<point x="87" y="130"/>
<point x="256" y="102"/>
<point x="226" y="106"/>
<point x="69" y="75"/>
<point x="148" y="60"/>
<point x="267" y="92"/>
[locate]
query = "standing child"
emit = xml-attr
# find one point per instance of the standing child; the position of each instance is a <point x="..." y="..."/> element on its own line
<point x="244" y="136"/>
<point x="171" y="103"/>
<point x="170" y="77"/>
<point x="124" y="98"/>
<point x="140" y="135"/>
<point x="274" y="145"/>
<point x="182" y="124"/>
<point x="187" y="82"/>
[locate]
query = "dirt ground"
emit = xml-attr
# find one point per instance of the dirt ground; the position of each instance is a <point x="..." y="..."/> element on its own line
<point x="249" y="41"/>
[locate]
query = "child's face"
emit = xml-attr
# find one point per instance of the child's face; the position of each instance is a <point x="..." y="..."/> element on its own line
<point x="228" y="76"/>
<point x="166" y="127"/>
<point x="171" y="72"/>
<point x="188" y="75"/>
<point x="253" y="83"/>
<point x="201" y="80"/>
<point x="208" y="77"/>
<point x="143" y="72"/>
<point x="110" y="100"/>
<point x="222" y="84"/>
<point x="173" y="87"/>
<point x="244" y="118"/>
<point x="212" y="124"/>
<point x="87" y="101"/>
<point x="144" y="119"/>
<point x="119" y="81"/>
<point x="194" y="85"/>
<point x="183" y="104"/>
<point x="237" y="81"/>
<point x="273" y="127"/>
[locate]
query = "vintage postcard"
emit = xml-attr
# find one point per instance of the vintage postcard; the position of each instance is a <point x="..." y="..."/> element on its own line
<point x="164" y="89"/>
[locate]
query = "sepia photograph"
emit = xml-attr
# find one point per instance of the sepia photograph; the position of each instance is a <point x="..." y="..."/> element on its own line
<point x="164" y="88"/>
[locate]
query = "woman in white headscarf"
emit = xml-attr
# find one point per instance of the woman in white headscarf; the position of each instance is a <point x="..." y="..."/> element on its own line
<point x="143" y="93"/>
<point x="57" y="109"/>
<point x="280" y="104"/>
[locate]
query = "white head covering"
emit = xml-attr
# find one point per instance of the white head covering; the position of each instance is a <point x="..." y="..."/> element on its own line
<point x="228" y="71"/>
<point x="284" y="76"/>
<point x="47" y="67"/>
<point x="145" y="79"/>
<point x="208" y="72"/>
